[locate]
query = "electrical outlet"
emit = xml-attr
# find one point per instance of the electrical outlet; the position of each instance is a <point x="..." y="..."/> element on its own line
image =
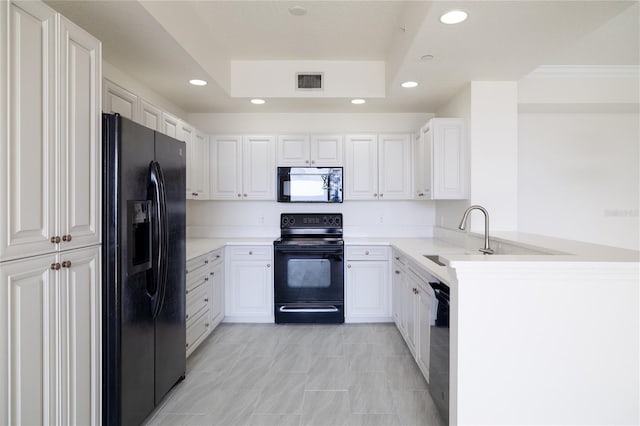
<point x="381" y="219"/>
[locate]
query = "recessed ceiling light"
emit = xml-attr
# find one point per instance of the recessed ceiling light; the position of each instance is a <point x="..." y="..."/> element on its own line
<point x="453" y="17"/>
<point x="426" y="57"/>
<point x="409" y="84"/>
<point x="197" y="82"/>
<point x="358" y="101"/>
<point x="257" y="101"/>
<point x="298" y="10"/>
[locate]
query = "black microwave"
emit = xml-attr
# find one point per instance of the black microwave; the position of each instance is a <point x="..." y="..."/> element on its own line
<point x="309" y="184"/>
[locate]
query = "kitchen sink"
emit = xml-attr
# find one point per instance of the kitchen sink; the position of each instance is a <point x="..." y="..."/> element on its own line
<point x="435" y="259"/>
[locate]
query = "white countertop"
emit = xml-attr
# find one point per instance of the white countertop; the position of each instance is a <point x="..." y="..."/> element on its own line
<point x="546" y="249"/>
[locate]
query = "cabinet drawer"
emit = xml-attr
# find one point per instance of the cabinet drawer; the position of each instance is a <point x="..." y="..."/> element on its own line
<point x="215" y="257"/>
<point x="367" y="253"/>
<point x="251" y="252"/>
<point x="197" y="330"/>
<point x="197" y="300"/>
<point x="197" y="278"/>
<point x="198" y="262"/>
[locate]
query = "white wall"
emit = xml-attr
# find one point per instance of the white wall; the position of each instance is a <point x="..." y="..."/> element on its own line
<point x="579" y="177"/>
<point x="261" y="218"/>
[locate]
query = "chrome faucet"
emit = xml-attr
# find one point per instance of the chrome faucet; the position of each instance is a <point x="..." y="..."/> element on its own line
<point x="486" y="249"/>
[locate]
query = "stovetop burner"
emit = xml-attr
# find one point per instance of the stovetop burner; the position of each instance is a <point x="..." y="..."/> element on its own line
<point x="310" y="228"/>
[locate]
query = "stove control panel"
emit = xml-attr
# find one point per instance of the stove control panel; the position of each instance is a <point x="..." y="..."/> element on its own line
<point x="311" y="220"/>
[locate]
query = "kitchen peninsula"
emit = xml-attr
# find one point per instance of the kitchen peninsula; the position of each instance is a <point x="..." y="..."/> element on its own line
<point x="533" y="333"/>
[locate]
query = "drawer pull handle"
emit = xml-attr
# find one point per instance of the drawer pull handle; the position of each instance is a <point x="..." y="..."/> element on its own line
<point x="187" y="316"/>
<point x="206" y="278"/>
<point x="366" y="253"/>
<point x="250" y="252"/>
<point x="211" y="273"/>
<point x="206" y="299"/>
<point x="206" y="325"/>
<point x="206" y="261"/>
<point x="398" y="272"/>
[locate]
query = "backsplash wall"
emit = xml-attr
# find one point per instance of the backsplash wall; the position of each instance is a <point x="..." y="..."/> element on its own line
<point x="367" y="219"/>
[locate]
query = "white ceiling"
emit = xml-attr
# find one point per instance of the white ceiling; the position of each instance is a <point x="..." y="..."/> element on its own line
<point x="163" y="44"/>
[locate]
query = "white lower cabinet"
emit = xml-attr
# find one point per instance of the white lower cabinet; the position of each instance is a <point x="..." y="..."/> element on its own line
<point x="204" y="298"/>
<point x="50" y="339"/>
<point x="249" y="284"/>
<point x="413" y="303"/>
<point x="367" y="284"/>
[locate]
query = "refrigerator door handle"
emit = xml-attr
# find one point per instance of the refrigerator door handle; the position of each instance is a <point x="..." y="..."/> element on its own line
<point x="164" y="238"/>
<point x="160" y="231"/>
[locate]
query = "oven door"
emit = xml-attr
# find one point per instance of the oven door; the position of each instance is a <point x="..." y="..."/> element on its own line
<point x="309" y="283"/>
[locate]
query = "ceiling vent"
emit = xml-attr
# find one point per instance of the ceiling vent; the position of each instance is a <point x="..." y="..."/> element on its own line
<point x="309" y="81"/>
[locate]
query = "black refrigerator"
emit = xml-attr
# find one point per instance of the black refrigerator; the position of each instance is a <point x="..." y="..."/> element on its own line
<point x="144" y="261"/>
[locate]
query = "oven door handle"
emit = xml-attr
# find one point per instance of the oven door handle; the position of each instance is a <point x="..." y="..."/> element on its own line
<point x="310" y="310"/>
<point x="308" y="249"/>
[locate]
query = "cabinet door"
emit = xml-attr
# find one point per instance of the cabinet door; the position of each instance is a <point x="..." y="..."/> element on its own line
<point x="28" y="392"/>
<point x="79" y="306"/>
<point x="28" y="145"/>
<point x="394" y="167"/>
<point x="199" y="166"/>
<point x="216" y="300"/>
<point x="225" y="173"/>
<point x="79" y="181"/>
<point x="116" y="99"/>
<point x="419" y="168"/>
<point x="293" y="150"/>
<point x="423" y="328"/>
<point x="185" y="134"/>
<point x="449" y="162"/>
<point x="150" y="115"/>
<point x="361" y="168"/>
<point x="425" y="160"/>
<point x="170" y="125"/>
<point x="367" y="290"/>
<point x="409" y="309"/>
<point x="397" y="294"/>
<point x="259" y="168"/>
<point x="326" y="150"/>
<point x="249" y="289"/>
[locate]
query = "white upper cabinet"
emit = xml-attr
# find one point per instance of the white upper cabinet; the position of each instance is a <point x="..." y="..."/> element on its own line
<point x="259" y="168"/>
<point x="441" y="160"/>
<point x="225" y="172"/>
<point x="50" y="182"/>
<point x="361" y="167"/>
<point x="310" y="151"/>
<point x="170" y="125"/>
<point x="116" y="99"/>
<point x="378" y="167"/>
<point x="80" y="137"/>
<point x="199" y="165"/>
<point x="150" y="115"/>
<point x="394" y="167"/>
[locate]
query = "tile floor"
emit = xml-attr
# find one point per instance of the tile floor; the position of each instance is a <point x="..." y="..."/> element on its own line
<point x="267" y="374"/>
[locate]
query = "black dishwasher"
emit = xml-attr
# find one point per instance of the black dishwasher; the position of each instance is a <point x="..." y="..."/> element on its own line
<point x="439" y="353"/>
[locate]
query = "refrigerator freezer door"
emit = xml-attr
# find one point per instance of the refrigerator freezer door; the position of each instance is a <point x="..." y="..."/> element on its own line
<point x="170" y="334"/>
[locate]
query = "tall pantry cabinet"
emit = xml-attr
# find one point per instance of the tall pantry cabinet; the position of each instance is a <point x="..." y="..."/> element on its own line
<point x="50" y="202"/>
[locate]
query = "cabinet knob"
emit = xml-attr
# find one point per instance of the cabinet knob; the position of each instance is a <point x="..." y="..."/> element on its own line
<point x="206" y="278"/>
<point x="313" y="161"/>
<point x="381" y="194"/>
<point x="239" y="195"/>
<point x="206" y="299"/>
<point x="420" y="194"/>
<point x="66" y="264"/>
<point x="195" y="194"/>
<point x="375" y="194"/>
<point x="217" y="256"/>
<point x="206" y="325"/>
<point x="250" y="252"/>
<point x="55" y="240"/>
<point x="268" y="265"/>
<point x="397" y="257"/>
<point x="187" y="345"/>
<point x="55" y="266"/>
<point x="349" y="265"/>
<point x="306" y="161"/>
<point x="66" y="238"/>
<point x="187" y="292"/>
<point x="244" y="195"/>
<point x="397" y="272"/>
<point x="366" y="253"/>
<point x="206" y="261"/>
<point x="211" y="273"/>
<point x="186" y="316"/>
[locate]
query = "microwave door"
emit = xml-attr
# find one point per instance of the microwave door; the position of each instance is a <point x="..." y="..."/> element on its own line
<point x="309" y="188"/>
